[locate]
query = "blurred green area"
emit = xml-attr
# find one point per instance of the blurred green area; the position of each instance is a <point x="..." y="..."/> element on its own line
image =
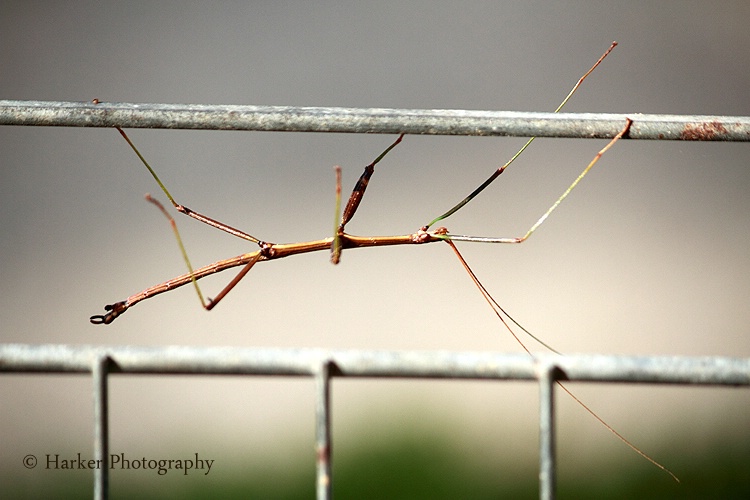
<point x="418" y="464"/>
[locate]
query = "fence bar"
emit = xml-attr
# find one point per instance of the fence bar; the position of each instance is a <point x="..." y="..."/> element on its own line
<point x="373" y="120"/>
<point x="321" y="364"/>
<point x="58" y="358"/>
<point x="323" y="431"/>
<point x="547" y="466"/>
<point x="99" y="369"/>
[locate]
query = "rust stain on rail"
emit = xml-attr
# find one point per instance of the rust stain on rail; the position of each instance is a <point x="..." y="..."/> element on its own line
<point x="704" y="131"/>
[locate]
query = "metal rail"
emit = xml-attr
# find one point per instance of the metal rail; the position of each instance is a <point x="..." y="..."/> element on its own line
<point x="324" y="365"/>
<point x="373" y="120"/>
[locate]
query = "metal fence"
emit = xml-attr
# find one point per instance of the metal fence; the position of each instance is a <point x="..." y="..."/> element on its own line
<point x="374" y="120"/>
<point x="324" y="365"/>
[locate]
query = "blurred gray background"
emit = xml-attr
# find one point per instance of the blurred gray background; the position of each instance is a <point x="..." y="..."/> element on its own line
<point x="648" y="256"/>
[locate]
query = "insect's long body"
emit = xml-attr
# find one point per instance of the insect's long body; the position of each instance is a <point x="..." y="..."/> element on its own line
<point x="269" y="251"/>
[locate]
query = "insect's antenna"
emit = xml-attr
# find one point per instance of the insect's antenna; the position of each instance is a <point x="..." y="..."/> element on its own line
<point x="617" y="434"/>
<point x="497" y="309"/>
<point x="518" y="153"/>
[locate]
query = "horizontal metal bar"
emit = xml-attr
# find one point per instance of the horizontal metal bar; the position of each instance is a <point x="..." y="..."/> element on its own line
<point x="373" y="120"/>
<point x="356" y="363"/>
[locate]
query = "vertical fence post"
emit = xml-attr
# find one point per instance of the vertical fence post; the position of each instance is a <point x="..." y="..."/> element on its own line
<point x="547" y="432"/>
<point x="101" y="427"/>
<point x="323" y="429"/>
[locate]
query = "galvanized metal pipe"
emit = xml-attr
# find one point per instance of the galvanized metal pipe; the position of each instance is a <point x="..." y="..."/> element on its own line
<point x="547" y="465"/>
<point x="321" y="364"/>
<point x="54" y="358"/>
<point x="373" y="120"/>
<point x="100" y="369"/>
<point x="324" y="485"/>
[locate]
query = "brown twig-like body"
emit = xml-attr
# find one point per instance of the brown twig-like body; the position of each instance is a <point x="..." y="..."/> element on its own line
<point x="269" y="251"/>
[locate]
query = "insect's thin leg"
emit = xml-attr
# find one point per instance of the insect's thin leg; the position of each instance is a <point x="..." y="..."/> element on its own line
<point x="337" y="229"/>
<point x="500" y="170"/>
<point x="212" y="302"/>
<point x="182" y="247"/>
<point x="354" y="200"/>
<point x="359" y="188"/>
<point x="183" y="209"/>
<point x="551" y="209"/>
<point x="497" y="309"/>
<point x="207" y="304"/>
<point x="115" y="310"/>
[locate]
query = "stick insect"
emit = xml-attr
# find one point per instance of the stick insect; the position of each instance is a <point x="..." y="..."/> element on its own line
<point x="340" y="240"/>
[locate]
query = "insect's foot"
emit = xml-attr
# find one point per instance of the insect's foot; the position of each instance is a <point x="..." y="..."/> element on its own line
<point x="114" y="310"/>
